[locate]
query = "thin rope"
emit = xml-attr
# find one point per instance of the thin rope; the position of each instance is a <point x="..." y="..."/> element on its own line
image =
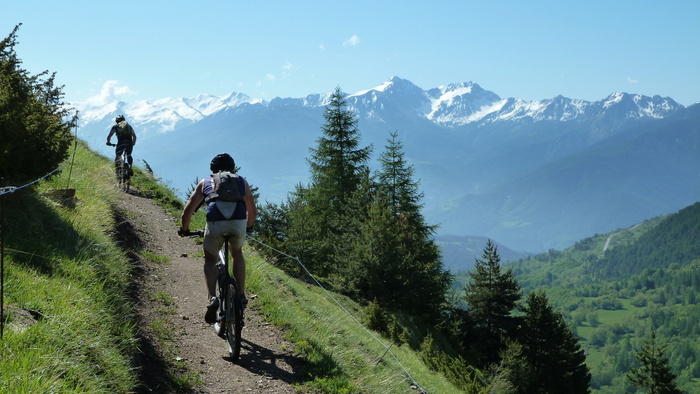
<point x="387" y="348"/>
<point x="12" y="189"/>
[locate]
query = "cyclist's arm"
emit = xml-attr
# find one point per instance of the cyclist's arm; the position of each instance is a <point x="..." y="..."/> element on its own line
<point x="133" y="137"/>
<point x="249" y="205"/>
<point x="109" y="137"/>
<point x="192" y="204"/>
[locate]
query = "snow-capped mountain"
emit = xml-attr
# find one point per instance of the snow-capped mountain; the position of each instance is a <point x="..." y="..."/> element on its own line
<point x="469" y="147"/>
<point x="451" y="105"/>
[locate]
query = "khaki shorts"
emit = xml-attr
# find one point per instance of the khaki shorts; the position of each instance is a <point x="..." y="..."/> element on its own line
<point x="214" y="231"/>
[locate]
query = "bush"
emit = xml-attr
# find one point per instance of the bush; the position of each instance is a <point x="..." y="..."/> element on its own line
<point x="34" y="133"/>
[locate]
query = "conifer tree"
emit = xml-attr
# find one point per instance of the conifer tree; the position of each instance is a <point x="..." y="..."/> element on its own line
<point x="396" y="184"/>
<point x="513" y="371"/>
<point x="492" y="295"/>
<point x="34" y="133"/>
<point x="552" y="350"/>
<point x="654" y="375"/>
<point x="323" y="213"/>
<point x="338" y="162"/>
<point x="396" y="259"/>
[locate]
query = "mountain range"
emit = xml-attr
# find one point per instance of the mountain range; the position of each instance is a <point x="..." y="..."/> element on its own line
<point x="531" y="175"/>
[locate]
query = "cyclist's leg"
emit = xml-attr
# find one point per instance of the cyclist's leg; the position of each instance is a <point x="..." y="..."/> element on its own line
<point x="128" y="149"/>
<point x="238" y="227"/>
<point x="212" y="244"/>
<point x="213" y="241"/>
<point x="239" y="269"/>
<point x="118" y="152"/>
<point x="210" y="272"/>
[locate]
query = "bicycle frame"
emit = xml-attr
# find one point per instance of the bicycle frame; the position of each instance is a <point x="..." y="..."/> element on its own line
<point x="230" y="322"/>
<point x="121" y="168"/>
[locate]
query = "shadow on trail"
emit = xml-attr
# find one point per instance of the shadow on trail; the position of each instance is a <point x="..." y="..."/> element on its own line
<point x="264" y="362"/>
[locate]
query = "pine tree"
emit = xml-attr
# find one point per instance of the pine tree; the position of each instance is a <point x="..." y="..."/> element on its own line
<point x="323" y="214"/>
<point x="396" y="259"/>
<point x="552" y="350"/>
<point x="491" y="295"/>
<point x="654" y="374"/>
<point x="513" y="374"/>
<point x="396" y="184"/>
<point x="337" y="163"/>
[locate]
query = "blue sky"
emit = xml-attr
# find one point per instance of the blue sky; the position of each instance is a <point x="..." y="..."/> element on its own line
<point x="534" y="50"/>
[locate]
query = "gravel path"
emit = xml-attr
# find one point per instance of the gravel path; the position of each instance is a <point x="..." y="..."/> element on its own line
<point x="266" y="365"/>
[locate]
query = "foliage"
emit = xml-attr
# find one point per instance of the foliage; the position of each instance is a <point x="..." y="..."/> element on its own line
<point x="340" y="355"/>
<point x="34" y="133"/>
<point x="611" y="312"/>
<point x="70" y="325"/>
<point x="324" y="212"/>
<point x="149" y="187"/>
<point x="533" y="351"/>
<point x="552" y="350"/>
<point x="360" y="233"/>
<point x="492" y="296"/>
<point x="337" y="163"/>
<point x="455" y="369"/>
<point x="654" y="374"/>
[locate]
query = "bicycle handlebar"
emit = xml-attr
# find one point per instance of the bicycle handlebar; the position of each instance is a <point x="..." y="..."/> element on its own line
<point x="190" y="233"/>
<point x="109" y="144"/>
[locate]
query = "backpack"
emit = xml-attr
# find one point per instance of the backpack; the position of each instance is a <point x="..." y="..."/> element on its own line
<point x="123" y="129"/>
<point x="225" y="187"/>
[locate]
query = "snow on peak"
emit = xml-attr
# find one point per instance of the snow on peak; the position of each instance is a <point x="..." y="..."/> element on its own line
<point x="381" y="88"/>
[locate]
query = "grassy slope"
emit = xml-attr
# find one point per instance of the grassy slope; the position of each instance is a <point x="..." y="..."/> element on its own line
<point x="343" y="356"/>
<point x="71" y="327"/>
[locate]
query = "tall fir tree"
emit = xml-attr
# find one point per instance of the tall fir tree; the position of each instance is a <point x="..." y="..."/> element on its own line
<point x="552" y="350"/>
<point x="338" y="162"/>
<point x="397" y="186"/>
<point x="395" y="256"/>
<point x="492" y="296"/>
<point x="318" y="217"/>
<point x="655" y="374"/>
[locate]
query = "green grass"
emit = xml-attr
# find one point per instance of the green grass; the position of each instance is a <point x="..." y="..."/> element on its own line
<point x="71" y="324"/>
<point x="156" y="258"/>
<point x="342" y="357"/>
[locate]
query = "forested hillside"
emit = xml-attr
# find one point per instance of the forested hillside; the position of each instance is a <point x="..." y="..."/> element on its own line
<point x="364" y="235"/>
<point x="618" y="288"/>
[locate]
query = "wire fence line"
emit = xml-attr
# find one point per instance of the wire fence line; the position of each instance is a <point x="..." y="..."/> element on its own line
<point x="387" y="349"/>
<point x="12" y="189"/>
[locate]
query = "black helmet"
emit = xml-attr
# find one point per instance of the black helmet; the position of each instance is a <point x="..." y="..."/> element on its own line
<point x="222" y="162"/>
<point x="120" y="118"/>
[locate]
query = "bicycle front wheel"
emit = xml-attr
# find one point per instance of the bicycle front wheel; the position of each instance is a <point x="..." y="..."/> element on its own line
<point x="234" y="321"/>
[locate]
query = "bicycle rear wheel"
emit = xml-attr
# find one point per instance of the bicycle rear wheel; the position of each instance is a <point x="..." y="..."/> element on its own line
<point x="233" y="321"/>
<point x="124" y="178"/>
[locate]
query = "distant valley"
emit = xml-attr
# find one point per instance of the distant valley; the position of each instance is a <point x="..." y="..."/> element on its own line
<point x="532" y="176"/>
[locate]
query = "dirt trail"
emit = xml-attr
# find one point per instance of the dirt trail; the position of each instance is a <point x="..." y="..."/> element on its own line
<point x="266" y="365"/>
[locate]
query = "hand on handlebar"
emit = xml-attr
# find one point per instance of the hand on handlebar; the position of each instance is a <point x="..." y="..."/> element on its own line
<point x="187" y="233"/>
<point x="110" y="144"/>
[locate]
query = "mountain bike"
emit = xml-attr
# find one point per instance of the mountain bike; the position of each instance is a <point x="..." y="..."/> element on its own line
<point x="229" y="321"/>
<point x="123" y="170"/>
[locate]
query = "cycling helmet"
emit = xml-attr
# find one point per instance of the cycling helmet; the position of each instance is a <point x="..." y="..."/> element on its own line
<point x="222" y="162"/>
<point x="120" y="118"/>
